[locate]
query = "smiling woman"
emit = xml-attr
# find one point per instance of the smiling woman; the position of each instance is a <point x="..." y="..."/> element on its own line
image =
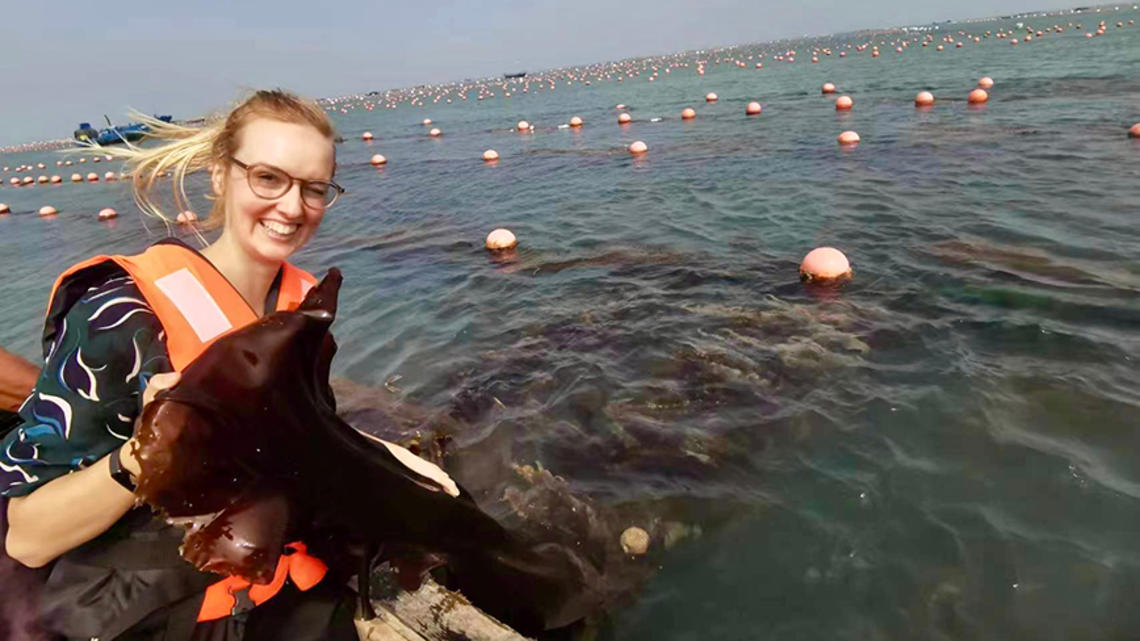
<point x="121" y="328"/>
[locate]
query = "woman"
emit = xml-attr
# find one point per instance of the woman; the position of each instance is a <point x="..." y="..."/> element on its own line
<point x="119" y="329"/>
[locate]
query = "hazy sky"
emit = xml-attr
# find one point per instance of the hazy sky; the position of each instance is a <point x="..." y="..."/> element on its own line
<point x="62" y="61"/>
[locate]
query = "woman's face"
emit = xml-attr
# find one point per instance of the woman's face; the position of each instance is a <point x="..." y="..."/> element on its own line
<point x="270" y="230"/>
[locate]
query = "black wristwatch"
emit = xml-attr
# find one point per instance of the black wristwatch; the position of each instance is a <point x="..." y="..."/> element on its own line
<point x="120" y="474"/>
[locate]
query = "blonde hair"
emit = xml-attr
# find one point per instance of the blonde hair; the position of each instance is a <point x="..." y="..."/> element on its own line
<point x="193" y="149"/>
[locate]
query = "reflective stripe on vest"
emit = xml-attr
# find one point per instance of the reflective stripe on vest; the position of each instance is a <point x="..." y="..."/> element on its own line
<point x="195" y="305"/>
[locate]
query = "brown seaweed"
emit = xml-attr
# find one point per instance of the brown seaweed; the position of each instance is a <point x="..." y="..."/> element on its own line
<point x="248" y="453"/>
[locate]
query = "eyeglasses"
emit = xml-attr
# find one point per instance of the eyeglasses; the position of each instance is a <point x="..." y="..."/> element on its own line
<point x="269" y="182"/>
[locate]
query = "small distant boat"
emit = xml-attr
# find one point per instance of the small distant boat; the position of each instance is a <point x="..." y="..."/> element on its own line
<point x="111" y="135"/>
<point x="520" y="74"/>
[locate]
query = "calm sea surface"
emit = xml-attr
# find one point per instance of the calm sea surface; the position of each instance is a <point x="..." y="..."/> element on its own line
<point x="947" y="447"/>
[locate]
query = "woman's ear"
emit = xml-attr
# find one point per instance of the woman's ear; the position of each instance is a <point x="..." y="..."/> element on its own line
<point x="218" y="178"/>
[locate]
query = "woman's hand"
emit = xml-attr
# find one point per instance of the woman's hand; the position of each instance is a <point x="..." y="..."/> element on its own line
<point x="156" y="384"/>
<point x="418" y="465"/>
<point x="422" y="467"/>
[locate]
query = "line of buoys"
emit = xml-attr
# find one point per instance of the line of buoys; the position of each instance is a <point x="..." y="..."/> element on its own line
<point x="501" y="239"/>
<point x="638" y="147"/>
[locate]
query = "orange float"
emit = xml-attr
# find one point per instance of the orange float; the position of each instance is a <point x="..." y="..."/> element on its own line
<point x="638" y="147"/>
<point x="849" y="138"/>
<point x="624" y="118"/>
<point x="825" y="264"/>
<point x="843" y="103"/>
<point x="575" y="121"/>
<point x="1134" y="131"/>
<point x="48" y="210"/>
<point x="828" y="88"/>
<point x="107" y="213"/>
<point x="924" y="99"/>
<point x="435" y="132"/>
<point x="4" y="209"/>
<point x="711" y="97"/>
<point x="523" y="126"/>
<point x="986" y="82"/>
<point x="378" y="159"/>
<point x="501" y="239"/>
<point x="688" y="113"/>
<point x="753" y="108"/>
<point x="366" y="135"/>
<point x="978" y="97"/>
<point x="490" y="155"/>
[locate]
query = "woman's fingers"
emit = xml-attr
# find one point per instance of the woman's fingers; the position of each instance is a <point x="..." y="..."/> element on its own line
<point x="157" y="383"/>
<point x="422" y="467"/>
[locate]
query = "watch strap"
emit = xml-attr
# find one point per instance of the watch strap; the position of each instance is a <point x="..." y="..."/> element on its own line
<point x="119" y="473"/>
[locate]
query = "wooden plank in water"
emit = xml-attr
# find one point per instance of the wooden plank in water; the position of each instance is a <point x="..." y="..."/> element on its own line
<point x="432" y="613"/>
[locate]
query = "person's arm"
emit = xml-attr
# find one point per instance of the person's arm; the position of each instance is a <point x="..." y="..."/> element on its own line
<point x="17" y="378"/>
<point x="73" y="509"/>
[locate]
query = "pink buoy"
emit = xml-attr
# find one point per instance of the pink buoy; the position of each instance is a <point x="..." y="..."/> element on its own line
<point x="848" y="138"/>
<point x="435" y="132"/>
<point x="4" y="209"/>
<point x="711" y="97"/>
<point x="501" y="239"/>
<point x="753" y="108"/>
<point x="55" y="180"/>
<point x="986" y="82"/>
<point x="1134" y="131"/>
<point x="15" y="182"/>
<point x="843" y="103"/>
<point x="107" y="213"/>
<point x="427" y="121"/>
<point x="110" y="176"/>
<point x="187" y="217"/>
<point x="924" y="99"/>
<point x="624" y="118"/>
<point x="688" y="113"/>
<point x="27" y="180"/>
<point x="378" y="159"/>
<point x="48" y="210"/>
<point x="575" y="121"/>
<point x="43" y="180"/>
<point x="978" y="96"/>
<point x="638" y="147"/>
<point x="828" y="88"/>
<point x="366" y="135"/>
<point x="825" y="264"/>
<point x="523" y="126"/>
<point x="490" y="155"/>
<point x="92" y="177"/>
<point x="76" y="178"/>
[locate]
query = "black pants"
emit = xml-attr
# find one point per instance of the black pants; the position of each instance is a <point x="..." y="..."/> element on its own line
<point x="323" y="613"/>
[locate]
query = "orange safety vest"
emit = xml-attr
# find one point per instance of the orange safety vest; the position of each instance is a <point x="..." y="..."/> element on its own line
<point x="196" y="305"/>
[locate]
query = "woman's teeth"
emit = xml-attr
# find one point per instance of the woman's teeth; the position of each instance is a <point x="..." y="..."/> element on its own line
<point x="279" y="230"/>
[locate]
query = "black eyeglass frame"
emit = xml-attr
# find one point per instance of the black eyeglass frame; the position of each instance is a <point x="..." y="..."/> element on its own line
<point x="337" y="189"/>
